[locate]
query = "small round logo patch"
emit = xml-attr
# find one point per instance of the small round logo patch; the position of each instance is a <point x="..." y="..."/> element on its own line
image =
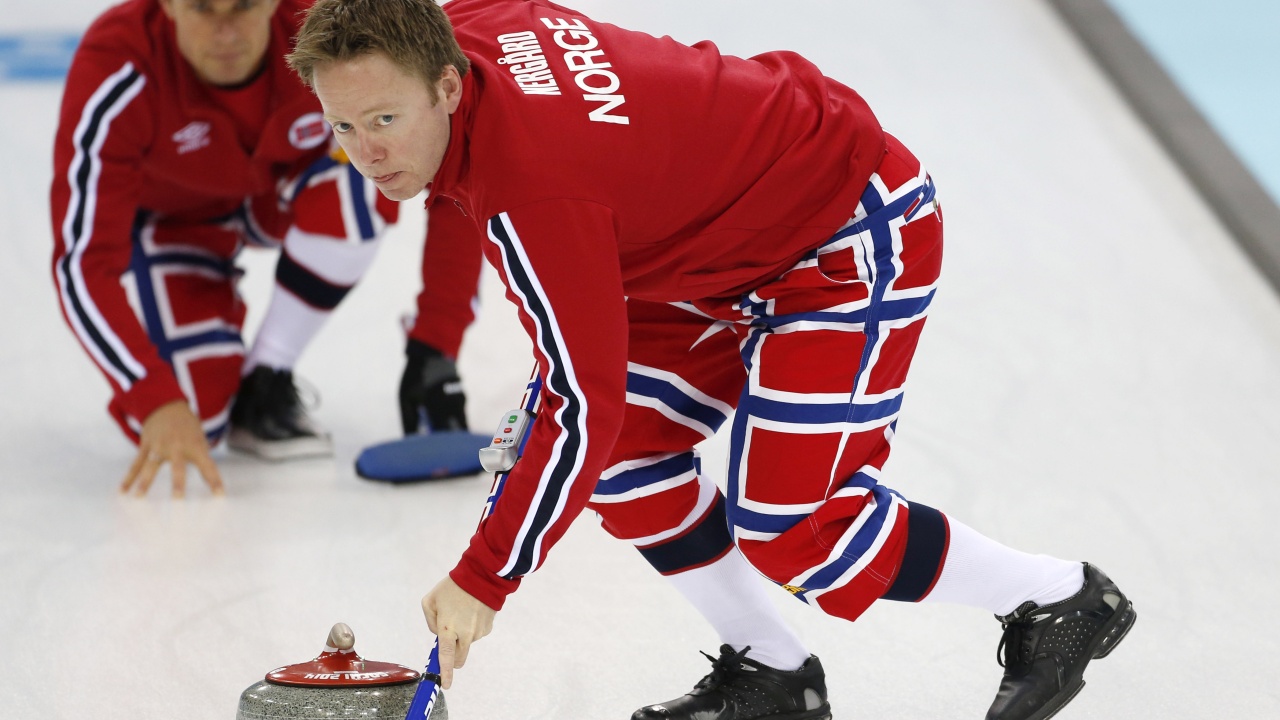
<point x="309" y="131"/>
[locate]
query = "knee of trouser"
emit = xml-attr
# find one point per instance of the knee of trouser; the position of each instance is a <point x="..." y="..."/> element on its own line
<point x="663" y="506"/>
<point x="782" y="558"/>
<point x="764" y="558"/>
<point x="651" y="512"/>
<point x="701" y="539"/>
<point x="332" y="199"/>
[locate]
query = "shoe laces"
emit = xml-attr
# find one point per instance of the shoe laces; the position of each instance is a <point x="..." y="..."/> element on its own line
<point x="289" y="391"/>
<point x="1015" y="651"/>
<point x="722" y="668"/>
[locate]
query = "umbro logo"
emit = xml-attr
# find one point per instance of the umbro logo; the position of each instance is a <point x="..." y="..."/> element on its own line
<point x="192" y="137"/>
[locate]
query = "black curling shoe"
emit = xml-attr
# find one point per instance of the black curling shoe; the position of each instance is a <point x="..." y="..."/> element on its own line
<point x="269" y="420"/>
<point x="739" y="688"/>
<point x="1046" y="648"/>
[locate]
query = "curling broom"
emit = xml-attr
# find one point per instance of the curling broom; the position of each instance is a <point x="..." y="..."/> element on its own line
<point x="498" y="458"/>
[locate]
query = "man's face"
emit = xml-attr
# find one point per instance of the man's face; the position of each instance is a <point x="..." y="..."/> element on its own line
<point x="224" y="40"/>
<point x="385" y="120"/>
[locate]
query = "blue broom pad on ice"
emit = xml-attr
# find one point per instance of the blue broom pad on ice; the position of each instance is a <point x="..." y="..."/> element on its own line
<point x="423" y="457"/>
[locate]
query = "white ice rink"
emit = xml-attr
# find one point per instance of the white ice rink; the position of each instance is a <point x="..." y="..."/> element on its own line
<point x="1100" y="380"/>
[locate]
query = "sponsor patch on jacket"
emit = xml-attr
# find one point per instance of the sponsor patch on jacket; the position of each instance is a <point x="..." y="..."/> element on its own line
<point x="308" y="131"/>
<point x="192" y="137"/>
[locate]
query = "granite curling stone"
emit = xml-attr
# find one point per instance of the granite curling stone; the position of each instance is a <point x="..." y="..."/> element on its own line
<point x="336" y="684"/>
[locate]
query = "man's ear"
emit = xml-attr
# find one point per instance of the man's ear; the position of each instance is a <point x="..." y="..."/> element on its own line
<point x="449" y="88"/>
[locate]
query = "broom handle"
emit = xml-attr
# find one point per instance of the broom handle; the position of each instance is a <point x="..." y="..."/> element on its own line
<point x="424" y="698"/>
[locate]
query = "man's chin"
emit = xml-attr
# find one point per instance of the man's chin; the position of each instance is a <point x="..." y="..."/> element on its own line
<point x="226" y="72"/>
<point x="398" y="193"/>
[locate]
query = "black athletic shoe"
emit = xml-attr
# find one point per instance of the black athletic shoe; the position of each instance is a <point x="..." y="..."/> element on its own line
<point x="268" y="420"/>
<point x="1046" y="649"/>
<point x="739" y="688"/>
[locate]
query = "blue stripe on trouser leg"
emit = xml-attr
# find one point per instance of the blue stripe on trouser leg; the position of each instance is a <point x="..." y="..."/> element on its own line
<point x="150" y="265"/>
<point x="674" y="401"/>
<point x="646" y="479"/>
<point x="363" y="213"/>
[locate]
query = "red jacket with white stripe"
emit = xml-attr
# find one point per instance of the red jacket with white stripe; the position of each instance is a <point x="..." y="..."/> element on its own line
<point x="597" y="164"/>
<point x="140" y="131"/>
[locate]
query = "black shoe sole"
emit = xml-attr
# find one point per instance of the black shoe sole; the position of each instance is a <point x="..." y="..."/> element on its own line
<point x="823" y="714"/>
<point x="818" y="714"/>
<point x="314" y="446"/>
<point x="1116" y="631"/>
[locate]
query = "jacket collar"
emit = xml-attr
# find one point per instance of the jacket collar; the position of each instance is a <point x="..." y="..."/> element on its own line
<point x="453" y="169"/>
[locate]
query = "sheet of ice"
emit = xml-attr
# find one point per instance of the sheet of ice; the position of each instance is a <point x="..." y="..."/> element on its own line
<point x="1100" y="381"/>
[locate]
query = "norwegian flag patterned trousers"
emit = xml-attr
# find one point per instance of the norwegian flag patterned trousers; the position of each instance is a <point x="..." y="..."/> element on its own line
<point x="808" y="372"/>
<point x="185" y="275"/>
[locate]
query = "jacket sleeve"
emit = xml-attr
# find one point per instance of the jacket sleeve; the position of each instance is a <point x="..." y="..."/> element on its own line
<point x="103" y="132"/>
<point x="451" y="264"/>
<point x="559" y="260"/>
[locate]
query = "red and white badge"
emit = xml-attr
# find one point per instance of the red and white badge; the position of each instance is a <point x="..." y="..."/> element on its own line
<point x="309" y="131"/>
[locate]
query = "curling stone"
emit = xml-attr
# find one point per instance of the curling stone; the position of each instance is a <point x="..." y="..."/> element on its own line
<point x="337" y="684"/>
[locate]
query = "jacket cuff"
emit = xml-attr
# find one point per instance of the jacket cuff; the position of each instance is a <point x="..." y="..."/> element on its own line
<point x="480" y="583"/>
<point x="149" y="393"/>
<point x="444" y="336"/>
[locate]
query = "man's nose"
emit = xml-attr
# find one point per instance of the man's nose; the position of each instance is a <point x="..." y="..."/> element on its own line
<point x="227" y="30"/>
<point x="368" y="150"/>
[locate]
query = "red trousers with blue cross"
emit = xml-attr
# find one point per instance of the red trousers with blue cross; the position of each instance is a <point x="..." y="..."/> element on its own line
<point x="808" y="372"/>
<point x="185" y="276"/>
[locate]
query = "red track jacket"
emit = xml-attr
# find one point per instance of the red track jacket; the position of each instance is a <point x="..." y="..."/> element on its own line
<point x="140" y="131"/>
<point x="595" y="164"/>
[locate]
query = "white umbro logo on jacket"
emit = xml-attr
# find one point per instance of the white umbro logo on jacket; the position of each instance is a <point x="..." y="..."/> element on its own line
<point x="192" y="137"/>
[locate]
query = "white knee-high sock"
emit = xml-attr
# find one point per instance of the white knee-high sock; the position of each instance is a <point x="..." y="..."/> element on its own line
<point x="287" y="329"/>
<point x="290" y="324"/>
<point x="733" y="597"/>
<point x="981" y="572"/>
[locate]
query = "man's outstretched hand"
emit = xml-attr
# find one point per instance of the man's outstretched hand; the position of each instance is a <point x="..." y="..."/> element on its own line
<point x="171" y="434"/>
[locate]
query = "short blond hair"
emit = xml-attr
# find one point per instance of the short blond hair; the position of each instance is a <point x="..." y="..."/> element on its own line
<point x="414" y="34"/>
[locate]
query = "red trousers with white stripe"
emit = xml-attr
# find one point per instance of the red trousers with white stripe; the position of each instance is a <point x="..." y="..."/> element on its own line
<point x="811" y="367"/>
